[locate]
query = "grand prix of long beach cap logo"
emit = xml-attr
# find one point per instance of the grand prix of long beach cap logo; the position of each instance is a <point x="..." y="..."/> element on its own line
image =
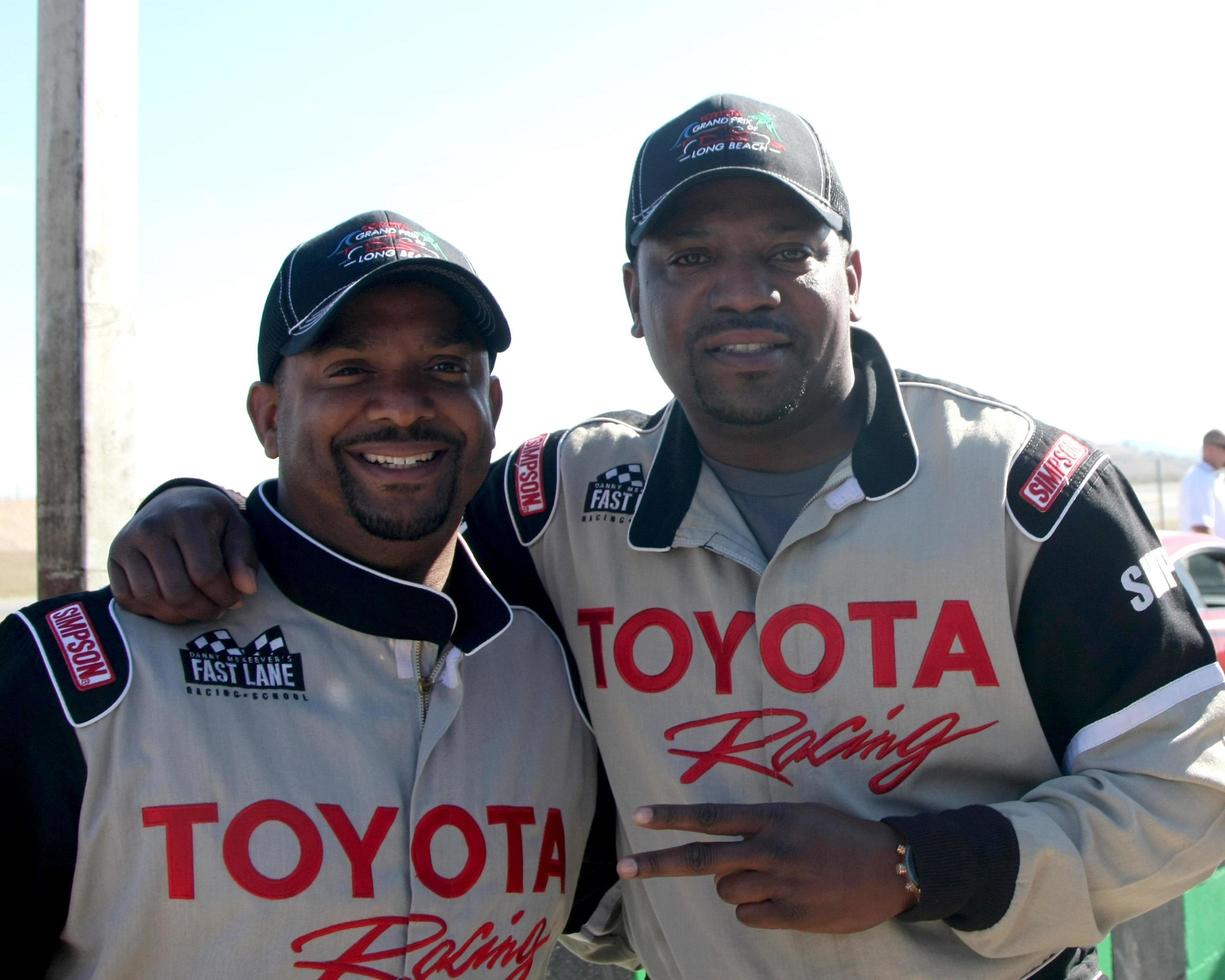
<point x="387" y="240"/>
<point x="728" y="130"/>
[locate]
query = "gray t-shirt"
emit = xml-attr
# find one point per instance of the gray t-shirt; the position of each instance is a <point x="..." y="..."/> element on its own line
<point x="770" y="502"/>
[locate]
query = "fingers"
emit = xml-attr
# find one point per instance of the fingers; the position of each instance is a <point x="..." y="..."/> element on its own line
<point x="756" y="894"/>
<point x="135" y="586"/>
<point x="191" y="566"/>
<point x="770" y="915"/>
<point x="119" y="584"/>
<point x="697" y="857"/>
<point x="799" y="866"/>
<point x="186" y="555"/>
<point x="238" y="550"/>
<point x="163" y="587"/>
<point x="718" y="819"/>
<point x="758" y="901"/>
<point x="744" y="887"/>
<point x="688" y="860"/>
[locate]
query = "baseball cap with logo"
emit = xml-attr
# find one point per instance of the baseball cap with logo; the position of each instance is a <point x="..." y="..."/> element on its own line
<point x="725" y="135"/>
<point x="377" y="246"/>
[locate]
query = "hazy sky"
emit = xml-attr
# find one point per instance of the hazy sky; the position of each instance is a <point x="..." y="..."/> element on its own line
<point x="1036" y="190"/>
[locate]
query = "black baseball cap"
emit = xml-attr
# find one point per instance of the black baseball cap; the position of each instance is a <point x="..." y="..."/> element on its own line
<point x="725" y="135"/>
<point x="377" y="246"/>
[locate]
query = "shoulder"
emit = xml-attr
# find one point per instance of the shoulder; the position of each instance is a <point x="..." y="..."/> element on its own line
<point x="1047" y="466"/>
<point x="1199" y="475"/>
<point x="525" y="485"/>
<point x="1048" y="478"/>
<point x="74" y="644"/>
<point x="988" y="415"/>
<point x="983" y="431"/>
<point x="540" y="660"/>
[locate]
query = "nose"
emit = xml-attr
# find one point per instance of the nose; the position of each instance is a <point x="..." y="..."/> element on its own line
<point x="743" y="286"/>
<point x="400" y="399"/>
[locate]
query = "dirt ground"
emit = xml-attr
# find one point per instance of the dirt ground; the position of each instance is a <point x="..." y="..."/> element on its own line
<point x="18" y="575"/>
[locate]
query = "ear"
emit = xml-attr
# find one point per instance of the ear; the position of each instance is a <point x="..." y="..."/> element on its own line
<point x="495" y="399"/>
<point x="854" y="276"/>
<point x="629" y="277"/>
<point x="262" y="404"/>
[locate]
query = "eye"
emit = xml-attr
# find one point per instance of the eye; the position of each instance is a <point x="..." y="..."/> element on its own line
<point x="455" y="367"/>
<point x="689" y="259"/>
<point x="793" y="253"/>
<point x="345" y="370"/>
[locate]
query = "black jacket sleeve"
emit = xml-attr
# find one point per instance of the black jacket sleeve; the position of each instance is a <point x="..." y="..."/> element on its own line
<point x="1102" y="624"/>
<point x="43" y="772"/>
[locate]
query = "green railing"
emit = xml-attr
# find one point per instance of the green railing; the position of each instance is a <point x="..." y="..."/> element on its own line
<point x="1202" y="953"/>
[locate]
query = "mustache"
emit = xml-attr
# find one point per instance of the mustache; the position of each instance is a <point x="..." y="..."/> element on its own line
<point x="719" y="322"/>
<point x="417" y="432"/>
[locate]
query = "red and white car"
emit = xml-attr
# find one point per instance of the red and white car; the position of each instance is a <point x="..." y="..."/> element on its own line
<point x="1199" y="563"/>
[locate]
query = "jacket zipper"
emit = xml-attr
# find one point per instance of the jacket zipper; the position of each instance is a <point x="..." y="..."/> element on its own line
<point x="425" y="685"/>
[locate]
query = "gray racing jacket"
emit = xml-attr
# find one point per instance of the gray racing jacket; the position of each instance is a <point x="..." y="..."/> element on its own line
<point x="970" y="631"/>
<point x="276" y="795"/>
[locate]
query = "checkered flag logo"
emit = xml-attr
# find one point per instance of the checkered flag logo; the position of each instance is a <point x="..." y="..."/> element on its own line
<point x="215" y="641"/>
<point x="627" y="474"/>
<point x="271" y="641"/>
<point x="615" y="491"/>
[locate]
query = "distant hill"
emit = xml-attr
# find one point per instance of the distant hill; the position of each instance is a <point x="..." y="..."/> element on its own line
<point x="18" y="575"/>
<point x="1155" y="475"/>
<point x="17" y="525"/>
<point x="1140" y="465"/>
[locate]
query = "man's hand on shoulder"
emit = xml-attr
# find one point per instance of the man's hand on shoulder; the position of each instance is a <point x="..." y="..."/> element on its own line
<point x="186" y="554"/>
<point x="801" y="866"/>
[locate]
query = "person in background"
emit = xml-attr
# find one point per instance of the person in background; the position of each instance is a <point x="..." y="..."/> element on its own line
<point x="1201" y="496"/>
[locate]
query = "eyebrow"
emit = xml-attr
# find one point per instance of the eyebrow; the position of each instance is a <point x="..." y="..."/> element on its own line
<point x="778" y="228"/>
<point x="351" y="338"/>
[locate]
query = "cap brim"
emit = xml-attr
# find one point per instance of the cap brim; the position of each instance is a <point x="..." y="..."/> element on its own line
<point x="470" y="294"/>
<point x="824" y="211"/>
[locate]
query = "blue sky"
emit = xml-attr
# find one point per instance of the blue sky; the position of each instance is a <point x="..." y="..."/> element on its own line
<point x="1036" y="190"/>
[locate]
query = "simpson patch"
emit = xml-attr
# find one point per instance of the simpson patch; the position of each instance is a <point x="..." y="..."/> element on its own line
<point x="84" y="652"/>
<point x="1046" y="477"/>
<point x="531" y="485"/>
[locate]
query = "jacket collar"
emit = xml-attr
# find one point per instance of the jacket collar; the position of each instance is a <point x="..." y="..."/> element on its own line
<point x="468" y="613"/>
<point x="883" y="460"/>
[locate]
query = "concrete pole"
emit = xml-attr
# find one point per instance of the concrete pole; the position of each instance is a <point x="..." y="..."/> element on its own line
<point x="86" y="284"/>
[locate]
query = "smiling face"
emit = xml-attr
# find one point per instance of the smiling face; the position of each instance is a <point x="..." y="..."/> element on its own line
<point x="745" y="298"/>
<point x="384" y="429"/>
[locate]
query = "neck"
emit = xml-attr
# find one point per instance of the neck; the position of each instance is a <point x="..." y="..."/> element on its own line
<point x="426" y="561"/>
<point x="790" y="444"/>
<point x="430" y="569"/>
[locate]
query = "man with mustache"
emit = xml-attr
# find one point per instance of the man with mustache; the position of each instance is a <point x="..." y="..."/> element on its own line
<point x="912" y="657"/>
<point x="343" y="777"/>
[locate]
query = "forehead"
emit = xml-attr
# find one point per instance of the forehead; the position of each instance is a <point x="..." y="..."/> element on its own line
<point x="743" y="201"/>
<point x="399" y="308"/>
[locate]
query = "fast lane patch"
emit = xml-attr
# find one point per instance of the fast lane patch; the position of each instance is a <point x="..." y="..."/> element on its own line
<point x="215" y="664"/>
<point x="615" y="491"/>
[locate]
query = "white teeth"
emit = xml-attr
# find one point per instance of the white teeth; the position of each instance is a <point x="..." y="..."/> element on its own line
<point x="745" y="348"/>
<point x="398" y="462"/>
